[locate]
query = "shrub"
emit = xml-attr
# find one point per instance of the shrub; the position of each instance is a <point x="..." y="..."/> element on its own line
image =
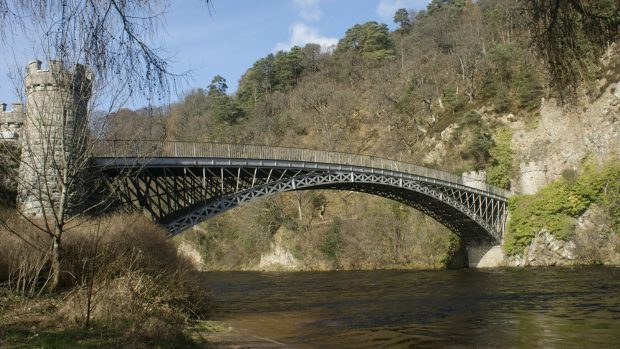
<point x="556" y="206"/>
<point x="118" y="271"/>
<point x="498" y="174"/>
<point x="332" y="242"/>
<point x="473" y="132"/>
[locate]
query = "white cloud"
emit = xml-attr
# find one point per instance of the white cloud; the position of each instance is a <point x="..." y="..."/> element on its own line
<point x="302" y="34"/>
<point x="387" y="8"/>
<point x="309" y="10"/>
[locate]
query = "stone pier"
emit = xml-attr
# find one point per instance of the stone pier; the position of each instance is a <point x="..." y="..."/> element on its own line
<point x="485" y="256"/>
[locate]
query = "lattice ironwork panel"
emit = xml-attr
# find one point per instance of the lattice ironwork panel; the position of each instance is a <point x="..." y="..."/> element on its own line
<point x="180" y="197"/>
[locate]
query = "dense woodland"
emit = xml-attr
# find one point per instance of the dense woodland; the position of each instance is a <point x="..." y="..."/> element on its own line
<point x="390" y="94"/>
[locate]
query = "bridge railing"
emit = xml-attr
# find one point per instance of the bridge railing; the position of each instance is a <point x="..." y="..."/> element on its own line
<point x="150" y="149"/>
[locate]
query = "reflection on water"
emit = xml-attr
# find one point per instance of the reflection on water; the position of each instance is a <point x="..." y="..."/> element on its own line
<point x="522" y="308"/>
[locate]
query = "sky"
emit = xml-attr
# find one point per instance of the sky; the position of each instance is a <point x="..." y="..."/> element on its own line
<point x="228" y="36"/>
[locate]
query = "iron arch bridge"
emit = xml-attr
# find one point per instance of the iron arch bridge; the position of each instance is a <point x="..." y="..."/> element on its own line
<point x="182" y="184"/>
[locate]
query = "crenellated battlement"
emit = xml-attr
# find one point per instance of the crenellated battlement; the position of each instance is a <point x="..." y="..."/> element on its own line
<point x="11" y="121"/>
<point x="55" y="112"/>
<point x="533" y="166"/>
<point x="475" y="179"/>
<point x="56" y="77"/>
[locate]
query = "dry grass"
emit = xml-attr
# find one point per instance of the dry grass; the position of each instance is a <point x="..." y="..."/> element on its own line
<point x="118" y="272"/>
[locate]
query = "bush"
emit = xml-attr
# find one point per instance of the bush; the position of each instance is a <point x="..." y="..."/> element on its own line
<point x="332" y="242"/>
<point x="556" y="206"/>
<point x="498" y="174"/>
<point x="473" y="132"/>
<point x="118" y="271"/>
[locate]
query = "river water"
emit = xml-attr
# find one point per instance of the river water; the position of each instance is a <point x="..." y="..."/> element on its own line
<point x="504" y="308"/>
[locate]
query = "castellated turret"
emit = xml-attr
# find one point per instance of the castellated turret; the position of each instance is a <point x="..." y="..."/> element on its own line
<point x="11" y="121"/>
<point x="533" y="176"/>
<point x="54" y="132"/>
<point x="475" y="179"/>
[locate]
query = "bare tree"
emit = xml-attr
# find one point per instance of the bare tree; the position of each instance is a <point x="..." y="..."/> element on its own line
<point x="104" y="49"/>
<point x="571" y="35"/>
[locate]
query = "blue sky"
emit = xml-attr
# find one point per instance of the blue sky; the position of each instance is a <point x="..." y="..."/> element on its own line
<point x="227" y="37"/>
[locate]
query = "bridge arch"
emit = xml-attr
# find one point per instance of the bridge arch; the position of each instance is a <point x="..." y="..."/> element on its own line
<point x="180" y="190"/>
<point x="445" y="209"/>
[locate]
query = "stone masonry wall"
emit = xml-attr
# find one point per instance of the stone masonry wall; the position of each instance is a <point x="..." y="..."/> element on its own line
<point x="533" y="177"/>
<point x="11" y="122"/>
<point x="56" y="101"/>
<point x="475" y="179"/>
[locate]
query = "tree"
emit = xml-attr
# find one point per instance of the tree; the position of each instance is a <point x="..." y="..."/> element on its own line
<point x="188" y="118"/>
<point x="225" y="109"/>
<point x="287" y="69"/>
<point x="111" y="38"/>
<point x="571" y="35"/>
<point x="403" y="18"/>
<point x="443" y="4"/>
<point x="108" y="44"/>
<point x="256" y="82"/>
<point x="222" y="107"/>
<point x="370" y="40"/>
<point x="217" y="87"/>
<point x="135" y="124"/>
<point x="310" y="58"/>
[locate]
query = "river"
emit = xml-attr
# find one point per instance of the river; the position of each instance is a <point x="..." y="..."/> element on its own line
<point x="503" y="308"/>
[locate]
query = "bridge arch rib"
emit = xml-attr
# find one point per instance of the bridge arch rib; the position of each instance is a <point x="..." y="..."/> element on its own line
<point x="180" y="186"/>
<point x="457" y="212"/>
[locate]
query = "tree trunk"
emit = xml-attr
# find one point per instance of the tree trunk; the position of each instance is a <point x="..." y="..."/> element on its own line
<point x="298" y="196"/>
<point x="402" y="53"/>
<point x="54" y="264"/>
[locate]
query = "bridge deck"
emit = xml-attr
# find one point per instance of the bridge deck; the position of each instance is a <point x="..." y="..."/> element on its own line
<point x="170" y="152"/>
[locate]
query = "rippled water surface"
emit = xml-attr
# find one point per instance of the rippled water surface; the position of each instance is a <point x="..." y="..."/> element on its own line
<point x="507" y="308"/>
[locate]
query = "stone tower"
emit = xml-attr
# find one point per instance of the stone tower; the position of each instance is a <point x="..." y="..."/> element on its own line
<point x="11" y="122"/>
<point x="53" y="135"/>
<point x="475" y="179"/>
<point x="533" y="176"/>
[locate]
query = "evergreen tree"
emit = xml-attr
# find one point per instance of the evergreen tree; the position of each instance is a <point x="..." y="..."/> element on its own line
<point x="403" y="18"/>
<point x="218" y="86"/>
<point x="370" y="40"/>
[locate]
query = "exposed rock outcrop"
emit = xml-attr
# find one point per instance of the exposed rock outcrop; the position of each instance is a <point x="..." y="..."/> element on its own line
<point x="594" y="242"/>
<point x="595" y="238"/>
<point x="545" y="250"/>
<point x="565" y="135"/>
<point x="278" y="257"/>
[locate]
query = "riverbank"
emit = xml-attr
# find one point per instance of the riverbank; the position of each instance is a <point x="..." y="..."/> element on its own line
<point x="41" y="322"/>
<point x="122" y="284"/>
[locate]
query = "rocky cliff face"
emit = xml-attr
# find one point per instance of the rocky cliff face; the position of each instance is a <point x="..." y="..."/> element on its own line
<point x="594" y="242"/>
<point x="562" y="138"/>
<point x="545" y="250"/>
<point x="565" y="135"/>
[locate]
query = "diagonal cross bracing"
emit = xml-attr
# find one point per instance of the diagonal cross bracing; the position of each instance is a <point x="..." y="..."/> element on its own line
<point x="180" y="191"/>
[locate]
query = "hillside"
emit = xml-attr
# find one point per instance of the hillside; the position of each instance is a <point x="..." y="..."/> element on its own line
<point x="462" y="86"/>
